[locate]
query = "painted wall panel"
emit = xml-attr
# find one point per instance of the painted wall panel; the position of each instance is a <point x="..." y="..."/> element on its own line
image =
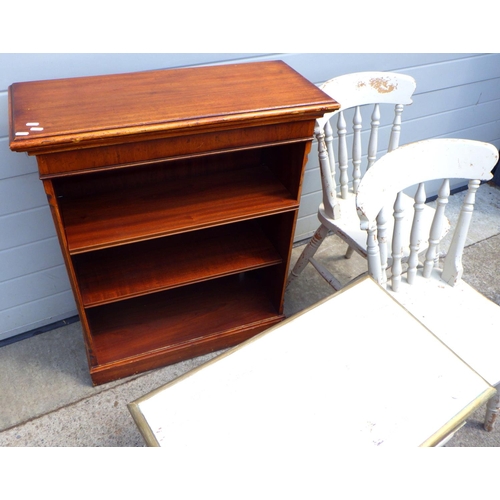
<point x="28" y="67"/>
<point x="320" y="67"/>
<point x="30" y="258"/>
<point x="311" y="181"/>
<point x="458" y="95"/>
<point x="34" y="286"/>
<point x="455" y="72"/>
<point x="33" y="195"/>
<point x="4" y="111"/>
<point x="31" y="315"/>
<point x="447" y="99"/>
<point x="25" y="227"/>
<point x="12" y="164"/>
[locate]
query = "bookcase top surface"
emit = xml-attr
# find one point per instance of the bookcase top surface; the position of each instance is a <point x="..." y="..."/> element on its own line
<point x="70" y="113"/>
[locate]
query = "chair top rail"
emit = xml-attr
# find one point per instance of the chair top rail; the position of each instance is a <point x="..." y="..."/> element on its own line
<point x="369" y="87"/>
<point x="418" y="162"/>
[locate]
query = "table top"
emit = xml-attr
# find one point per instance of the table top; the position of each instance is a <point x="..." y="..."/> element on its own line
<point x="354" y="370"/>
<point x="71" y="112"/>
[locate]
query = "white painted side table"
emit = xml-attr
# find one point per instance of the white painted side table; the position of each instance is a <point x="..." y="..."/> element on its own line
<point x="355" y="370"/>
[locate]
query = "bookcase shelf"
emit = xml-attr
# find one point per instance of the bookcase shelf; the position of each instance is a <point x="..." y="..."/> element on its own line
<point x="175" y="209"/>
<point x="150" y="210"/>
<point x="172" y="262"/>
<point x="208" y="314"/>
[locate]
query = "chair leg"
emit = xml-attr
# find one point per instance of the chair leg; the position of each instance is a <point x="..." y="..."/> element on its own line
<point x="308" y="252"/>
<point x="349" y="252"/>
<point x="492" y="411"/>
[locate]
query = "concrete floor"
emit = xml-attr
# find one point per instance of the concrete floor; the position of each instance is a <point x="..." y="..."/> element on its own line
<point x="46" y="395"/>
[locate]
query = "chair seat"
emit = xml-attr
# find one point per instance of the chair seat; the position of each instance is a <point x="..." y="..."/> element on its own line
<point x="348" y="226"/>
<point x="461" y="317"/>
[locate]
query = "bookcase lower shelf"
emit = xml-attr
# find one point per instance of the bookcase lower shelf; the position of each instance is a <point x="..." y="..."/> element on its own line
<point x="177" y="324"/>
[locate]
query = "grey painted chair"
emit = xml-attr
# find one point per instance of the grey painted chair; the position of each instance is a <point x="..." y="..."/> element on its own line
<point x="462" y="318"/>
<point x="357" y="94"/>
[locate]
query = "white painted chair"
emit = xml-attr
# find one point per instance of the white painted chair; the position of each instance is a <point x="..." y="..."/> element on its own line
<point x="357" y="94"/>
<point x="465" y="320"/>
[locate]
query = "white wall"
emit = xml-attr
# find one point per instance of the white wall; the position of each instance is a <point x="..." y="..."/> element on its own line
<point x="458" y="95"/>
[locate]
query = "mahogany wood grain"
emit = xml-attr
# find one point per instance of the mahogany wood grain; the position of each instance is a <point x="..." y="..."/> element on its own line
<point x="283" y="160"/>
<point x="151" y="266"/>
<point x="154" y="210"/>
<point x="178" y="317"/>
<point x="61" y="234"/>
<point x="175" y="195"/>
<point x="92" y="110"/>
<point x="170" y="148"/>
<point x="142" y="362"/>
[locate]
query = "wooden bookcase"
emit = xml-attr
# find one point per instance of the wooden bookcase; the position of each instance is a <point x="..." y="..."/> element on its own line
<point x="175" y="195"/>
